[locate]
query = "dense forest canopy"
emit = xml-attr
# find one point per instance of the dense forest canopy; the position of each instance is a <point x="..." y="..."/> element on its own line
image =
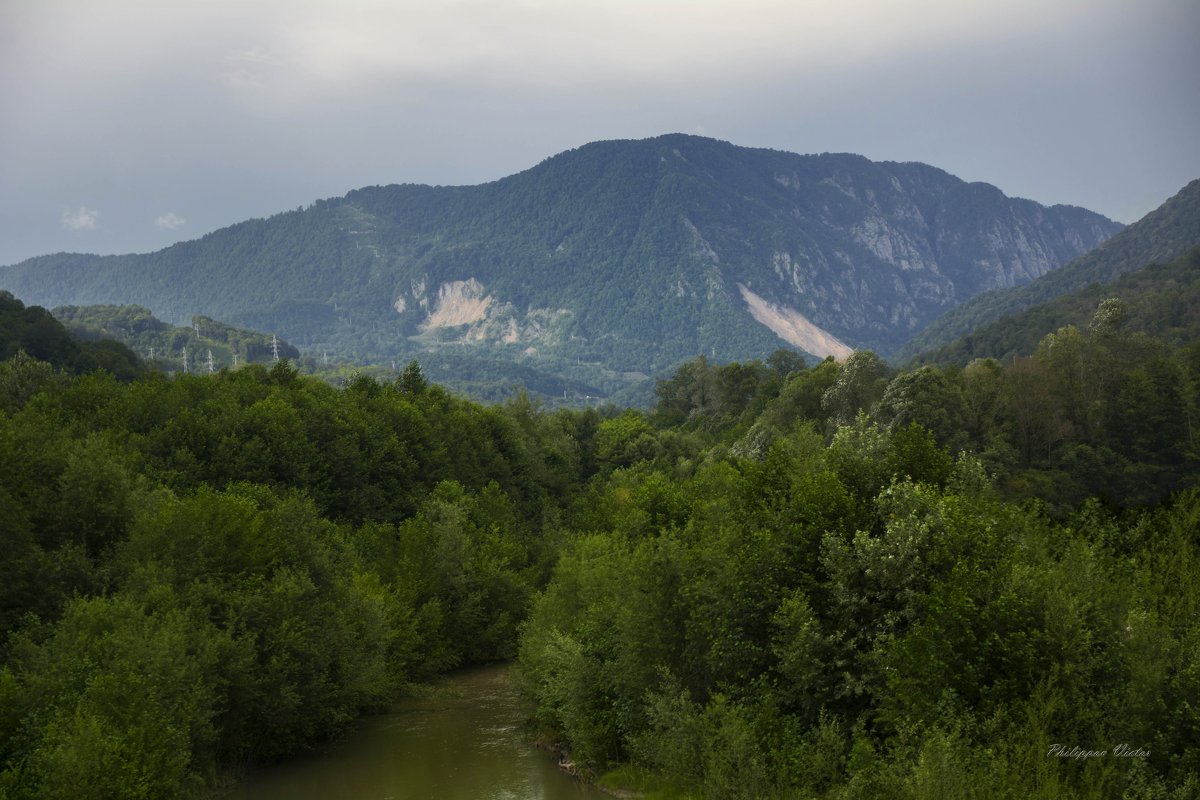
<point x="838" y="580"/>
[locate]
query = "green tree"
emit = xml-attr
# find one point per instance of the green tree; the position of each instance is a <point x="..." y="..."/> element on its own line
<point x="861" y="381"/>
<point x="925" y="397"/>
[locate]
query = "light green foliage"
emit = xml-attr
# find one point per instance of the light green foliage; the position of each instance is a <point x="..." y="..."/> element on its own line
<point x="137" y="328"/>
<point x="859" y="456"/>
<point x="925" y="397"/>
<point x="21" y="377"/>
<point x="625" y="440"/>
<point x="861" y="382"/>
<point x="124" y="698"/>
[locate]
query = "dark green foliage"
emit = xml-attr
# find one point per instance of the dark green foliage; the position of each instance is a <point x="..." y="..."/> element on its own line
<point x="207" y="571"/>
<point x="928" y="398"/>
<point x="35" y="332"/>
<point x="860" y="384"/>
<point x="784" y="581"/>
<point x="944" y="646"/>
<point x="709" y="395"/>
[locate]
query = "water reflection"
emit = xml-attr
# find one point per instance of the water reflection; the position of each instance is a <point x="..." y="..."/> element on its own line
<point x="463" y="743"/>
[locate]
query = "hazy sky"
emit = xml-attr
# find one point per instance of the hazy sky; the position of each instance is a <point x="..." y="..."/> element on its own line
<point x="125" y="126"/>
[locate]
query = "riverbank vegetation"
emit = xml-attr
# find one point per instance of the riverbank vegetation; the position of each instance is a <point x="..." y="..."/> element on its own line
<point x="785" y="581"/>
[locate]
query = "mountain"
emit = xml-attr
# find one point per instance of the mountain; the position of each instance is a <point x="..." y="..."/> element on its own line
<point x="1161" y="236"/>
<point x="605" y="263"/>
<point x="1162" y="300"/>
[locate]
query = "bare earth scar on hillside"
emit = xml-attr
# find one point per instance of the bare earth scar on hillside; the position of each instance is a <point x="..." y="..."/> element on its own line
<point x="792" y="326"/>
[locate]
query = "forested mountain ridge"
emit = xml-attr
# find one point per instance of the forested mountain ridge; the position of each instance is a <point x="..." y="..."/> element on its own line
<point x="615" y="259"/>
<point x="1162" y="235"/>
<point x="1162" y="300"/>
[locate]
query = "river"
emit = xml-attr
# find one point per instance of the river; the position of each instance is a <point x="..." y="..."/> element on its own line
<point x="463" y="742"/>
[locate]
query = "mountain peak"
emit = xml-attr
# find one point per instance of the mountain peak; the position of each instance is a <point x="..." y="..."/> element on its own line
<point x="616" y="257"/>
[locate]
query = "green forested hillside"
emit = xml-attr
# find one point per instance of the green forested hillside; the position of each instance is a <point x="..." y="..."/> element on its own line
<point x="614" y="258"/>
<point x="136" y="327"/>
<point x="36" y="333"/>
<point x="1163" y="235"/>
<point x="1162" y="300"/>
<point x="836" y="581"/>
<point x="468" y="373"/>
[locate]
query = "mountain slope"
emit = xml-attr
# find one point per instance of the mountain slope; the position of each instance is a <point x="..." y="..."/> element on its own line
<point x="1161" y="236"/>
<point x="36" y="333"/>
<point x="615" y="259"/>
<point x="165" y="344"/>
<point x="1162" y="300"/>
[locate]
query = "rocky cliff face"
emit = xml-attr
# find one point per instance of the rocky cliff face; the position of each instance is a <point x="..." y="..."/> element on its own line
<point x="1165" y="234"/>
<point x="627" y="256"/>
<point x="891" y="246"/>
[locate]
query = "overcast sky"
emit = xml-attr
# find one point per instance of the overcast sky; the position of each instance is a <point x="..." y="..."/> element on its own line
<point x="126" y="126"/>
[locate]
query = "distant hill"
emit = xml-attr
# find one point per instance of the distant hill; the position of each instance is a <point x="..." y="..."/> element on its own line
<point x="34" y="331"/>
<point x="1162" y="300"/>
<point x="1161" y="236"/>
<point x="603" y="264"/>
<point x="164" y="343"/>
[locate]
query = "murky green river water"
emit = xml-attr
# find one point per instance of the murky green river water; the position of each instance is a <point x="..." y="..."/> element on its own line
<point x="463" y="743"/>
